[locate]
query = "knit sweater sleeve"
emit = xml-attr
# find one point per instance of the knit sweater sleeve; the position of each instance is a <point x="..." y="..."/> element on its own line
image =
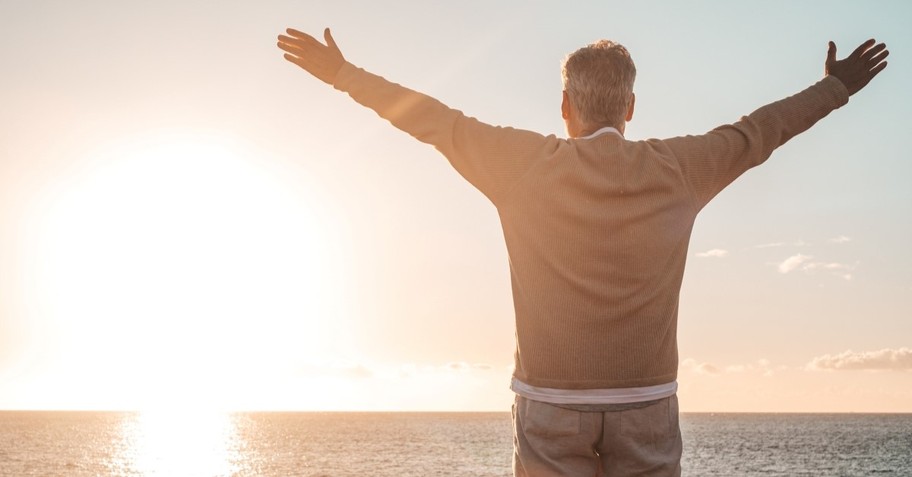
<point x="492" y="158"/>
<point x="710" y="162"/>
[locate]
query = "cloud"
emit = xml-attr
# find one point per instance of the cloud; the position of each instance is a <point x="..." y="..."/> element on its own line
<point x="386" y="371"/>
<point x="806" y="264"/>
<point x="885" y="360"/>
<point x="761" y="366"/>
<point x="793" y="262"/>
<point x="840" y="270"/>
<point x="840" y="239"/>
<point x="338" y="370"/>
<point x="357" y="371"/>
<point x="716" y="253"/>
<point x="797" y="243"/>
<point x="462" y="366"/>
<point x="826" y="266"/>
<point x="707" y="368"/>
<point x="457" y="366"/>
<point x="700" y="368"/>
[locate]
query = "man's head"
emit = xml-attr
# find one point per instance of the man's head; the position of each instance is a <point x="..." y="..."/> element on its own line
<point x="598" y="88"/>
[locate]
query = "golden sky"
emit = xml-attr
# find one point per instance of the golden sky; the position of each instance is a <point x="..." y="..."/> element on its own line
<point x="188" y="220"/>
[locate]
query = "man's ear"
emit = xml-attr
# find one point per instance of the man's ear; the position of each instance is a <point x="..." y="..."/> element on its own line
<point x="565" y="106"/>
<point x="630" y="107"/>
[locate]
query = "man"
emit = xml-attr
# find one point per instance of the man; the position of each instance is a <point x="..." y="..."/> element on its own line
<point x="597" y="229"/>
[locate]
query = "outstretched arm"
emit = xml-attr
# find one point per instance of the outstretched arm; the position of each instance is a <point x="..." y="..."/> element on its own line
<point x="859" y="68"/>
<point x="713" y="160"/>
<point x="491" y="158"/>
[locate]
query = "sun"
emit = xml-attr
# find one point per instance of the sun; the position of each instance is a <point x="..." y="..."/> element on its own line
<point x="183" y="263"/>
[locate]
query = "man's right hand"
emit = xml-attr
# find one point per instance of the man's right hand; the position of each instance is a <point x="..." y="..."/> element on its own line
<point x="322" y="61"/>
<point x="859" y="68"/>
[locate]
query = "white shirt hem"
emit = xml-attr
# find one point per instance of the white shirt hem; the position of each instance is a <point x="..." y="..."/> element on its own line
<point x="594" y="396"/>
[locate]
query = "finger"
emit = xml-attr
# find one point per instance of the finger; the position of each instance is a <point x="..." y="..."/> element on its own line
<point x="877" y="69"/>
<point x="877" y="59"/>
<point x="330" y="42"/>
<point x="292" y="49"/>
<point x="861" y="48"/>
<point x="298" y="61"/>
<point x="872" y="74"/>
<point x="301" y="48"/>
<point x="831" y="53"/>
<point x="298" y="34"/>
<point x="302" y="43"/>
<point x="873" y="51"/>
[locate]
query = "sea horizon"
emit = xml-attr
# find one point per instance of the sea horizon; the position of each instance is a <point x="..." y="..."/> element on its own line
<point x="413" y="443"/>
<point x="392" y="411"/>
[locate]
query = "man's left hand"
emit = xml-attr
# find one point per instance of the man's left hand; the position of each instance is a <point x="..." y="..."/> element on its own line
<point x="322" y="61"/>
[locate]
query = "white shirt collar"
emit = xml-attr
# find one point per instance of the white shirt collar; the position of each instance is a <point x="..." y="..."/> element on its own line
<point x="606" y="129"/>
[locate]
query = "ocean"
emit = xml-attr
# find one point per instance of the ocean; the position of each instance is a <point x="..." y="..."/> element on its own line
<point x="419" y="444"/>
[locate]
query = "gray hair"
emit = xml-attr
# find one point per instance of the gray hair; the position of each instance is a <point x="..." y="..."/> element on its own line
<point x="599" y="80"/>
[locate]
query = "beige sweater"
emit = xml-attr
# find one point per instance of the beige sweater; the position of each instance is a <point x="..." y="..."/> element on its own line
<point x="596" y="229"/>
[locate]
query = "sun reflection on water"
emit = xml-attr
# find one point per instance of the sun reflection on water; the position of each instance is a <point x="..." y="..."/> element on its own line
<point x="176" y="444"/>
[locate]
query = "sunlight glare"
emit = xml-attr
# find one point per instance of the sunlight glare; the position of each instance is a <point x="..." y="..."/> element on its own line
<point x="178" y="444"/>
<point x="183" y="260"/>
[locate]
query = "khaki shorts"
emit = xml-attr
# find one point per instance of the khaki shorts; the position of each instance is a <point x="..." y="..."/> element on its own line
<point x="553" y="441"/>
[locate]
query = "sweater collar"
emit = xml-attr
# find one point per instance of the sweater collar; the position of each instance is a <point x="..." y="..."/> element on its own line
<point x="606" y="129"/>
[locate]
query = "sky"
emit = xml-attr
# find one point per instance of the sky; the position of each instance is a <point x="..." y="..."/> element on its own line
<point x="189" y="221"/>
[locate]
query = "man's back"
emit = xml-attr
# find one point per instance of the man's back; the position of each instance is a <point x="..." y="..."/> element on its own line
<point x="597" y="232"/>
<point x="597" y="237"/>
